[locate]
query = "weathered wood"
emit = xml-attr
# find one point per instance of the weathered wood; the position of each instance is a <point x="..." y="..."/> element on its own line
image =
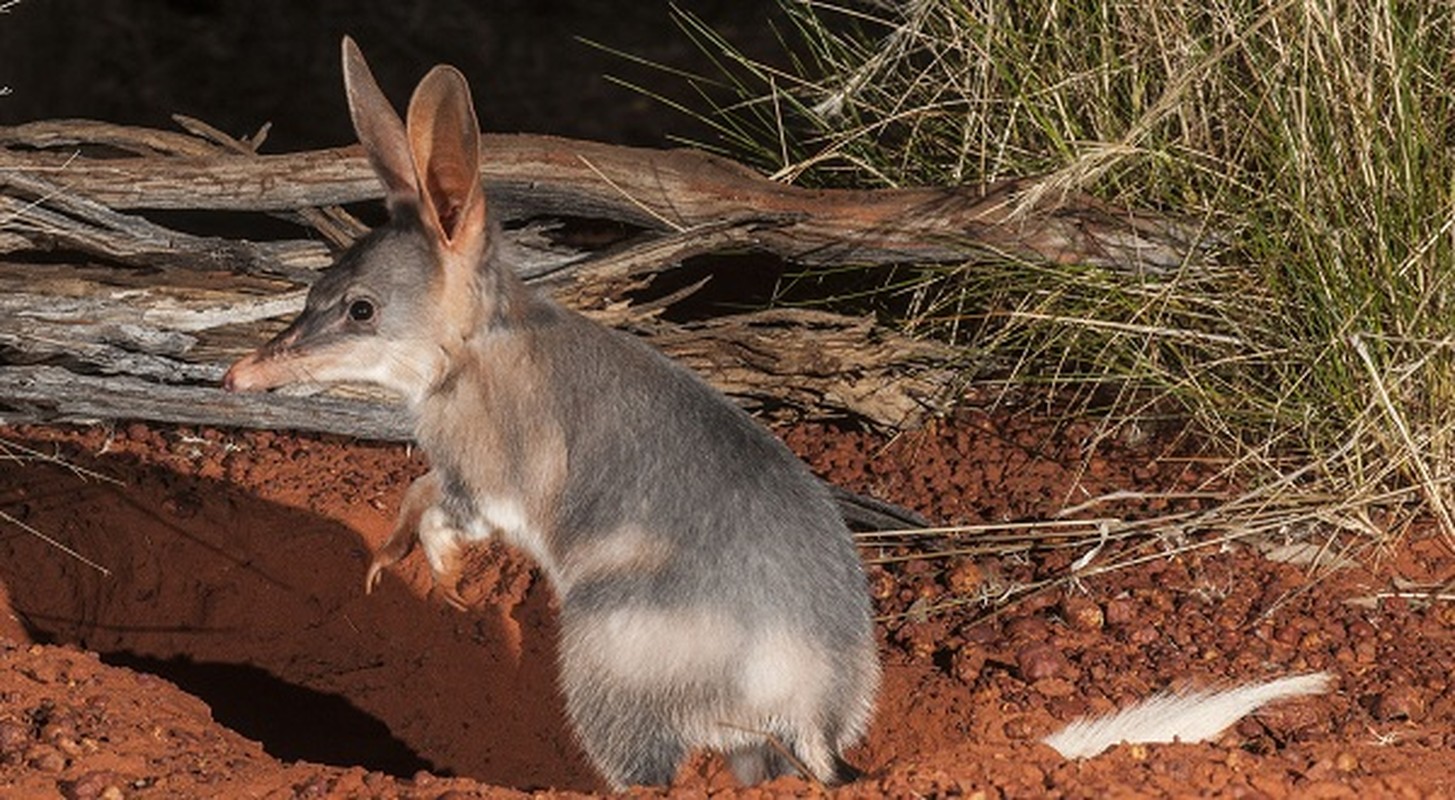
<point x="813" y="359"/>
<point x="50" y="218"/>
<point x="55" y="394"/>
<point x="146" y="328"/>
<point x="173" y="337"/>
<point x="802" y="359"/>
<point x="530" y="175"/>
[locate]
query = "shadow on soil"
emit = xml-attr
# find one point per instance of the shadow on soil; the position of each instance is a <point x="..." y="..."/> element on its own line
<point x="258" y="609"/>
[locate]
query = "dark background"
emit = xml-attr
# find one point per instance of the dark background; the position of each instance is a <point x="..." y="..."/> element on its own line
<point x="239" y="64"/>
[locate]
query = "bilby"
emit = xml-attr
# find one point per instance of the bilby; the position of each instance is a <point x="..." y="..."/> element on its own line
<point x="710" y="595"/>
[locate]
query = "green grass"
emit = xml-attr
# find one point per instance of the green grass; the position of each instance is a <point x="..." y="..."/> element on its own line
<point x="1311" y="140"/>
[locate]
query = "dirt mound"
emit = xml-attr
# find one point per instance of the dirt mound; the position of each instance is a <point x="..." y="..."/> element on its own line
<point x="230" y="649"/>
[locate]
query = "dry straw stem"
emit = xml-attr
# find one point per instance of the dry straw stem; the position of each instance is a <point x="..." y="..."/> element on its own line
<point x="1249" y="518"/>
<point x="1096" y="158"/>
<point x="17" y="453"/>
<point x="1432" y="492"/>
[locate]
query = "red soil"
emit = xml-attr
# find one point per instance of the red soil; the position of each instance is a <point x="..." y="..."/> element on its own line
<point x="231" y="651"/>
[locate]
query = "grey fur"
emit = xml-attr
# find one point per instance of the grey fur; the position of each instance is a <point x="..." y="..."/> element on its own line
<point x="710" y="594"/>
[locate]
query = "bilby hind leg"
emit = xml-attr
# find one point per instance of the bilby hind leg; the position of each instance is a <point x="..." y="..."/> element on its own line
<point x="758" y="763"/>
<point x="440" y="540"/>
<point x="637" y="758"/>
<point x="656" y="765"/>
<point x="624" y="733"/>
<point x="423" y="494"/>
<point x="770" y="759"/>
<point x="813" y="752"/>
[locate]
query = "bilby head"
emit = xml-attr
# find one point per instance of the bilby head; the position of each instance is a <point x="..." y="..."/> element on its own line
<point x="396" y="308"/>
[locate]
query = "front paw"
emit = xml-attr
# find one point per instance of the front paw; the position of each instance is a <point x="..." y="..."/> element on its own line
<point x="451" y="594"/>
<point x="377" y="566"/>
<point x="399" y="544"/>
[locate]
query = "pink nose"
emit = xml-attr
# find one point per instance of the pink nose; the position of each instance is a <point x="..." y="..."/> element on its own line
<point x="229" y="381"/>
<point x="236" y="379"/>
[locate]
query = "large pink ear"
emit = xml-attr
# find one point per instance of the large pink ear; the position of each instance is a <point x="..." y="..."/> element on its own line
<point x="444" y="136"/>
<point x="380" y="130"/>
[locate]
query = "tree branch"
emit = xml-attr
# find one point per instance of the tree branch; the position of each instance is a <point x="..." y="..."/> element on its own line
<point x="529" y="175"/>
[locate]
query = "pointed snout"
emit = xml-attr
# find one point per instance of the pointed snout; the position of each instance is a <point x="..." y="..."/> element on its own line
<point x="257" y="370"/>
<point x="240" y="376"/>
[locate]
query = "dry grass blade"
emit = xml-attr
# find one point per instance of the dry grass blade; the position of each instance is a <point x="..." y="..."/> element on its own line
<point x="1138" y="542"/>
<point x="1432" y="492"/>
<point x="20" y="454"/>
<point x="53" y="542"/>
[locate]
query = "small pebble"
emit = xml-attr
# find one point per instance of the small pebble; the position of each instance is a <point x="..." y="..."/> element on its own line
<point x="1398" y="702"/>
<point x="14" y="737"/>
<point x="95" y="785"/>
<point x="1082" y="613"/>
<point x="1040" y="661"/>
<point x="45" y="758"/>
<point x="1346" y="762"/>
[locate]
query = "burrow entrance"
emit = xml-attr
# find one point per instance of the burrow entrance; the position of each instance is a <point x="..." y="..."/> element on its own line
<point x="257" y="607"/>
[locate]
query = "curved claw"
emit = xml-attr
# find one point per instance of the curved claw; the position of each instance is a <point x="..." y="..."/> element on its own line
<point x="452" y="596"/>
<point x="371" y="578"/>
<point x="421" y="495"/>
<point x="392" y="552"/>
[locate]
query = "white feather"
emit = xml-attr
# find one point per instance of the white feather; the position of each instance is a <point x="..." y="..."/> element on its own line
<point x="1191" y="716"/>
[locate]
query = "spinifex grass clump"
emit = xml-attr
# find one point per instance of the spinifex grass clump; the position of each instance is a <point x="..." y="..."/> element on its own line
<point x="1312" y="140"/>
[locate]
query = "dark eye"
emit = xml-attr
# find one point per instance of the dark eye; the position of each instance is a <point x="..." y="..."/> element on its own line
<point x="361" y="311"/>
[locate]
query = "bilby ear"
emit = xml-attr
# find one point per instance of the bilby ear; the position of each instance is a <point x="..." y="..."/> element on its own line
<point x="444" y="137"/>
<point x="380" y="130"/>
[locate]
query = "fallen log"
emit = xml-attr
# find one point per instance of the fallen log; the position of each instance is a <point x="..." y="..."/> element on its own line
<point x="56" y="394"/>
<point x="136" y="319"/>
<point x="530" y="175"/>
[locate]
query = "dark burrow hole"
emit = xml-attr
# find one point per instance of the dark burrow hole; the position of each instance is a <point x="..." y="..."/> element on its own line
<point x="293" y="723"/>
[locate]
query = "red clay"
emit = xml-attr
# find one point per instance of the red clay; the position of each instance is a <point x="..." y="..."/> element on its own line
<point x="231" y="650"/>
